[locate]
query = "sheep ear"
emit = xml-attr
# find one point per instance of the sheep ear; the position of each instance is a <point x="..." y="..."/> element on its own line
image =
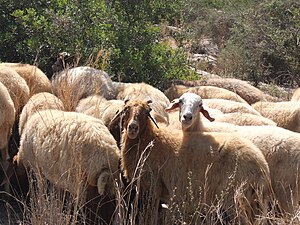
<point x="203" y="110"/>
<point x="173" y="105"/>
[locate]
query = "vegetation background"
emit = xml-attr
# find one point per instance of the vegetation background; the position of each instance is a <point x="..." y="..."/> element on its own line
<point x="256" y="40"/>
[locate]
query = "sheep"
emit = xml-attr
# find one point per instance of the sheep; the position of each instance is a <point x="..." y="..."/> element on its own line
<point x="7" y="119"/>
<point x="16" y="86"/>
<point x="280" y="148"/>
<point x="206" y="92"/>
<point x="75" y="152"/>
<point x="63" y="61"/>
<point x="102" y="109"/>
<point x="35" y="78"/>
<point x="244" y="119"/>
<point x="248" y="92"/>
<point x="143" y="91"/>
<point x="73" y="84"/>
<point x="208" y="160"/>
<point x="228" y="106"/>
<point x="285" y="114"/>
<point x="39" y="101"/>
<point x="296" y="95"/>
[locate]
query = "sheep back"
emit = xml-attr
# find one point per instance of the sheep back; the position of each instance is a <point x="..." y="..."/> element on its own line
<point x="281" y="150"/>
<point x="247" y="91"/>
<point x="243" y="119"/>
<point x="103" y="109"/>
<point x="7" y="116"/>
<point x="69" y="148"/>
<point x="77" y="83"/>
<point x="35" y="78"/>
<point x="285" y="114"/>
<point x="228" y="106"/>
<point x="16" y="86"/>
<point x="39" y="101"/>
<point x="206" y="92"/>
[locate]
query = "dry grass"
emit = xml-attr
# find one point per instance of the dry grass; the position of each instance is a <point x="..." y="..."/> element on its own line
<point x="48" y="205"/>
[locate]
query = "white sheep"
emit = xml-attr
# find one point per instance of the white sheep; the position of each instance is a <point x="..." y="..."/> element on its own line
<point x="7" y="119"/>
<point x="280" y="147"/>
<point x="228" y="106"/>
<point x="206" y="92"/>
<point x="37" y="102"/>
<point x="16" y="86"/>
<point x="145" y="92"/>
<point x="209" y="165"/>
<point x="71" y="85"/>
<point x="72" y="150"/>
<point x="296" y="95"/>
<point x="285" y="114"/>
<point x="35" y="78"/>
<point x="103" y="109"/>
<point x="99" y="107"/>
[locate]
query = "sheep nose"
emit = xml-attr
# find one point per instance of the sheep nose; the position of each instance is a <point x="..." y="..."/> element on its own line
<point x="188" y="116"/>
<point x="133" y="126"/>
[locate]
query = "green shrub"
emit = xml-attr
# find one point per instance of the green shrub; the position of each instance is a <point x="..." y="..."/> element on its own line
<point x="127" y="31"/>
<point x="264" y="45"/>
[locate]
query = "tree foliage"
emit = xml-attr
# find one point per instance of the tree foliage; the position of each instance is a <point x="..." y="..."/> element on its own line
<point x="126" y="32"/>
<point x="264" y="44"/>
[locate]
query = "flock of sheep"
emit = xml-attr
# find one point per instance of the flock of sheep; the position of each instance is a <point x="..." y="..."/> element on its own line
<point x="217" y="138"/>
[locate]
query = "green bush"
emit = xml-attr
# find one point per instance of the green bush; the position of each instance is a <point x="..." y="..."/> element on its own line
<point x="264" y="45"/>
<point x="127" y="31"/>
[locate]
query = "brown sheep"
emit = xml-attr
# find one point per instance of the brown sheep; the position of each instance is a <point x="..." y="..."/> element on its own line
<point x="174" y="158"/>
<point x="36" y="79"/>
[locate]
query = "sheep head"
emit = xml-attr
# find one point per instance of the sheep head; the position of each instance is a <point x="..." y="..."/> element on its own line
<point x="132" y="118"/>
<point x="190" y="105"/>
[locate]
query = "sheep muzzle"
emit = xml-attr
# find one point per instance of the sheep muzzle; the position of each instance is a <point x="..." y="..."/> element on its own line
<point x="133" y="129"/>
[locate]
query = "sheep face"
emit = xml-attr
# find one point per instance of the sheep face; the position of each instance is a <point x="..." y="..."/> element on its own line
<point x="133" y="117"/>
<point x="190" y="105"/>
